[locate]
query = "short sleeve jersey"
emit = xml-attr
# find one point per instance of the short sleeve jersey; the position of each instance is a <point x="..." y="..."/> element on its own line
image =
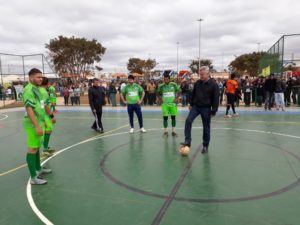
<point x="231" y="86"/>
<point x="45" y="95"/>
<point x="33" y="98"/>
<point x="168" y="92"/>
<point x="132" y="93"/>
<point x="52" y="92"/>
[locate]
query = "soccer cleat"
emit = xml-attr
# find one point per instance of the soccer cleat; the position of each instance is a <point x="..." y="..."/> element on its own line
<point x="174" y="134"/>
<point x="143" y="130"/>
<point x="185" y="144"/>
<point x="46" y="154"/>
<point x="166" y="134"/>
<point x="43" y="171"/>
<point x="204" y="150"/>
<point x="227" y="116"/>
<point x="51" y="150"/>
<point x="235" y="115"/>
<point x="131" y="131"/>
<point x="37" y="181"/>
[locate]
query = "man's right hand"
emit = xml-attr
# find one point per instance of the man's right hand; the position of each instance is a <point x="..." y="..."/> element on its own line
<point x="94" y="110"/>
<point x="39" y="131"/>
<point x="125" y="102"/>
<point x="190" y="107"/>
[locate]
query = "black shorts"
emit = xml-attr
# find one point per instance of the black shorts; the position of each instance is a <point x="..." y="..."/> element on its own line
<point x="230" y="98"/>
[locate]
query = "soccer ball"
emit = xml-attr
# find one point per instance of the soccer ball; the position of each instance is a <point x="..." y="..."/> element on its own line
<point x="184" y="150"/>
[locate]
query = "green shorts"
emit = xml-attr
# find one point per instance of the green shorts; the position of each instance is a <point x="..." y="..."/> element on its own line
<point x="33" y="140"/>
<point x="169" y="109"/>
<point x="48" y="125"/>
<point x="53" y="100"/>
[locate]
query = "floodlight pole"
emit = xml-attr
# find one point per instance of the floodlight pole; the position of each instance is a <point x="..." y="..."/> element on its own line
<point x="23" y="67"/>
<point x="177" y="56"/>
<point x="43" y="67"/>
<point x="2" y="82"/>
<point x="199" y="20"/>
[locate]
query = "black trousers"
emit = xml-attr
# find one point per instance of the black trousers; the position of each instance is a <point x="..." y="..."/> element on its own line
<point x="247" y="98"/>
<point x="98" y="118"/>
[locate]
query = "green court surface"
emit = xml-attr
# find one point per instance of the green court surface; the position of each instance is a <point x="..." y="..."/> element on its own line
<point x="251" y="174"/>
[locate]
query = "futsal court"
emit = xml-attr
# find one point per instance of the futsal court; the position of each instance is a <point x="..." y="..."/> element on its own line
<point x="251" y="174"/>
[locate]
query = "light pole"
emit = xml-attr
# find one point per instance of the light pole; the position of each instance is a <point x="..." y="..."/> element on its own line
<point x="199" y="20"/>
<point x="177" y="57"/>
<point x="258" y="46"/>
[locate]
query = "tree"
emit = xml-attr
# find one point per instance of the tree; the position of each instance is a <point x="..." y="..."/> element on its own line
<point x="141" y="66"/>
<point x="247" y="63"/>
<point x="74" y="55"/>
<point x="194" y="65"/>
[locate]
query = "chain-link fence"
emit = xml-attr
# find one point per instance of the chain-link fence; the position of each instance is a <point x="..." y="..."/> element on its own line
<point x="14" y="73"/>
<point x="282" y="56"/>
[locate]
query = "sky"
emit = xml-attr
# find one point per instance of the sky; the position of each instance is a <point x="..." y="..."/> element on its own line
<point x="155" y="29"/>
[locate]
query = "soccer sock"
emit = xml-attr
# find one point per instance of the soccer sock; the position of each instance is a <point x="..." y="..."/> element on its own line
<point x="165" y="121"/>
<point x="31" y="161"/>
<point x="227" y="109"/>
<point x="37" y="161"/>
<point x="46" y="141"/>
<point x="233" y="108"/>
<point x="173" y="121"/>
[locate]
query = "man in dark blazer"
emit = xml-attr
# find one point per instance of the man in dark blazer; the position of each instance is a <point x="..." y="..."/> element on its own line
<point x="97" y="100"/>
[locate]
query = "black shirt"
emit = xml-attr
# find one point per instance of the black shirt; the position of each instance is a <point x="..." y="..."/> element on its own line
<point x="206" y="94"/>
<point x="96" y="97"/>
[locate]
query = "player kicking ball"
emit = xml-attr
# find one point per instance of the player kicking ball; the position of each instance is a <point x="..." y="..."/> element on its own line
<point x="167" y="93"/>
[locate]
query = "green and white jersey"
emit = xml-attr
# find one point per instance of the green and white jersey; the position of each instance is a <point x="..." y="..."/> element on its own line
<point x="45" y="95"/>
<point x="52" y="92"/>
<point x="132" y="93"/>
<point x="33" y="98"/>
<point x="168" y="92"/>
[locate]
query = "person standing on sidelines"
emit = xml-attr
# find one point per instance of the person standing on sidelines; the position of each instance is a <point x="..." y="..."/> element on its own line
<point x="270" y="85"/>
<point x="133" y="95"/>
<point x="34" y="124"/>
<point x="204" y="102"/>
<point x="167" y="93"/>
<point x="96" y="101"/>
<point x="279" y="96"/>
<point x="231" y="93"/>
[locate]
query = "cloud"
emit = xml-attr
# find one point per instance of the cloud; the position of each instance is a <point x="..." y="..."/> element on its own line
<point x="140" y="28"/>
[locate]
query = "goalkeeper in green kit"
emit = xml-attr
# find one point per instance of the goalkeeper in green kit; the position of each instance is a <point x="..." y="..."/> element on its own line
<point x="168" y="94"/>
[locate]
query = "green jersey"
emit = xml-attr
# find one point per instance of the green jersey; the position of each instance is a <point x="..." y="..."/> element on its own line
<point x="45" y="95"/>
<point x="168" y="92"/>
<point x="132" y="93"/>
<point x="52" y="92"/>
<point x="33" y="98"/>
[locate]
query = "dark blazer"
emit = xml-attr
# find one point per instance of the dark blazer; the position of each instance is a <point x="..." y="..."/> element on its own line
<point x="96" y="97"/>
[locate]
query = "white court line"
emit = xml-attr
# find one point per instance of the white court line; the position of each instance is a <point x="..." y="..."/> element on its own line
<point x="5" y="117"/>
<point x="46" y="221"/>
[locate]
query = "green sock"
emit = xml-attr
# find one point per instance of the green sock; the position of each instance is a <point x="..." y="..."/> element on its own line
<point x="38" y="161"/>
<point x="173" y="122"/>
<point x="165" y="123"/>
<point x="31" y="161"/>
<point x="46" y="141"/>
<point x="53" y="108"/>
